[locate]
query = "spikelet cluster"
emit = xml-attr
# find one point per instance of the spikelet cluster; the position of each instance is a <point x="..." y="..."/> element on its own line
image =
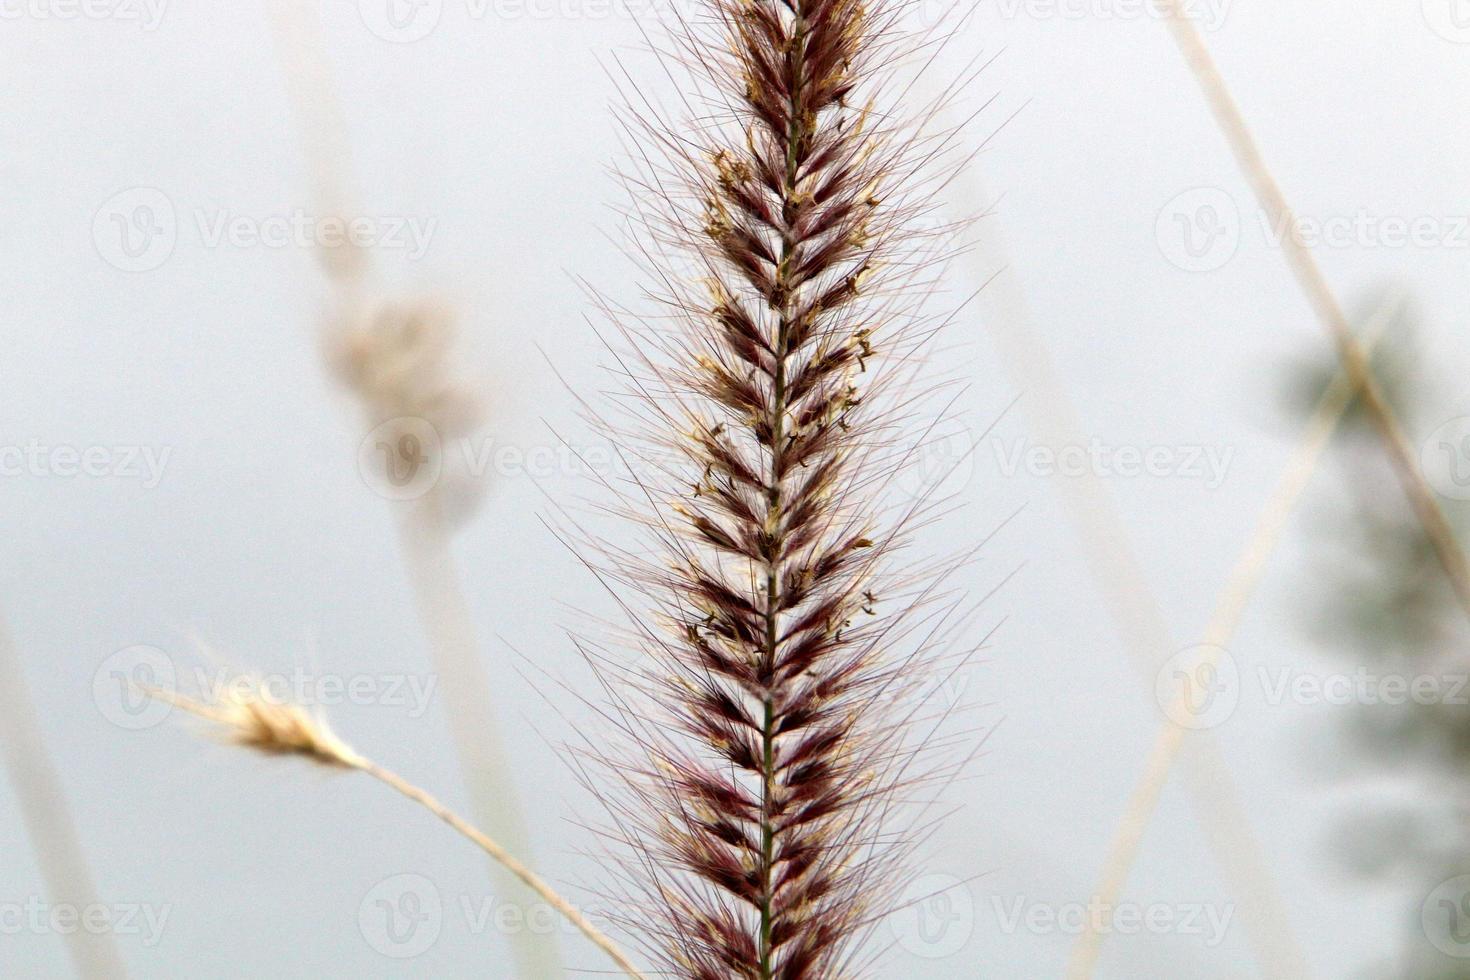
<point x="245" y="714"/>
<point x="401" y="363"/>
<point x="398" y="359"/>
<point x="767" y="719"/>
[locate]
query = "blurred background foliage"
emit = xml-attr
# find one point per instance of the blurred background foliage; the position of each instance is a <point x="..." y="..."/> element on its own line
<point x="1379" y="599"/>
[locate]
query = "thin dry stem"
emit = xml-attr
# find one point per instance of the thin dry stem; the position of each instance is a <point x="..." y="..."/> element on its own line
<point x="398" y="359"/>
<point x="248" y="718"/>
<point x="1113" y="565"/>
<point x="41" y="800"/>
<point x="532" y="880"/>
<point x="1244" y="579"/>
<point x="465" y="687"/>
<point x="1313" y="282"/>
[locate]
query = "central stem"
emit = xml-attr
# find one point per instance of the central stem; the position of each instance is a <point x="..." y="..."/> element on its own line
<point x="777" y="427"/>
<point x="768" y="655"/>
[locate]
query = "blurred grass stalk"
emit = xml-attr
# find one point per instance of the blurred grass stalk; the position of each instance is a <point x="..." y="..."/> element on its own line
<point x="1230" y="608"/>
<point x="1323" y="300"/>
<point x="465" y="686"/>
<point x="425" y="531"/>
<point x="1113" y="565"/>
<point x="1386" y="607"/>
<point x="1358" y="381"/>
<point x="246" y="717"/>
<point x="48" y="821"/>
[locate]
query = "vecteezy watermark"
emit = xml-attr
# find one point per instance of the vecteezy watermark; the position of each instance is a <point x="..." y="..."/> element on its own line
<point x="402" y="458"/>
<point x="1202" y="686"/>
<point x="137" y="230"/>
<point x="941" y="465"/>
<point x="1198" y="687"/>
<point x="1208" y="921"/>
<point x="299" y="228"/>
<point x="1445" y="917"/>
<point x="411" y="692"/>
<point x="1201" y="230"/>
<point x="401" y="21"/>
<point x="1363" y="687"/>
<point x="37" y="917"/>
<point x="407" y="457"/>
<point x="406" y="21"/>
<point x="1368" y="229"/>
<point x="37" y="459"/>
<point x="934" y="917"/>
<point x="1450" y="19"/>
<point x="148" y="14"/>
<point x="121" y="686"/>
<point x="1208" y="14"/>
<point x="1445" y="457"/>
<point x="486" y="914"/>
<point x="124" y="685"/>
<point x="1207" y="464"/>
<point x="403" y="916"/>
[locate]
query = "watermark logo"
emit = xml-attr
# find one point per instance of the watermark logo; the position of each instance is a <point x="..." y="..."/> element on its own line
<point x="1207" y="464"/>
<point x="1208" y="15"/>
<point x="407" y="457"/>
<point x="484" y="914"/>
<point x="1198" y="687"/>
<point x="1367" y="229"/>
<point x="935" y="916"/>
<point x="406" y="21"/>
<point x="1445" y="457"/>
<point x="146" y="13"/>
<point x="36" y="459"/>
<point x="1445" y="917"/>
<point x="411" y="692"/>
<point x="401" y="459"/>
<point x="37" y="917"/>
<point x="1450" y="19"/>
<point x="121" y="683"/>
<point x="944" y="464"/>
<point x="1211" y="922"/>
<point x="299" y="228"/>
<point x="1199" y="230"/>
<point x="401" y="917"/>
<point x="1201" y="687"/>
<point x="136" y="230"/>
<point x="401" y="21"/>
<point x="1364" y="687"/>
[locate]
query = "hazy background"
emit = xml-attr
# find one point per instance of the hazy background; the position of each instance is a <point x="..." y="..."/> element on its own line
<point x="261" y="539"/>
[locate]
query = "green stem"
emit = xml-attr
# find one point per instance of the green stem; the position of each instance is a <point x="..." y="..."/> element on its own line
<point x="794" y="135"/>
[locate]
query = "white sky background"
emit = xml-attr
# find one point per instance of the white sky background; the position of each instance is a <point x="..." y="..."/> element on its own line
<point x="262" y="539"/>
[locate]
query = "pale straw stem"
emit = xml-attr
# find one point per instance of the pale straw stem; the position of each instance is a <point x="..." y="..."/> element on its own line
<point x="1230" y="607"/>
<point x="1324" y="302"/>
<point x="1114" y="567"/>
<point x="424" y="535"/>
<point x="250" y="720"/>
<point x="41" y="800"/>
<point x="532" y="880"/>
